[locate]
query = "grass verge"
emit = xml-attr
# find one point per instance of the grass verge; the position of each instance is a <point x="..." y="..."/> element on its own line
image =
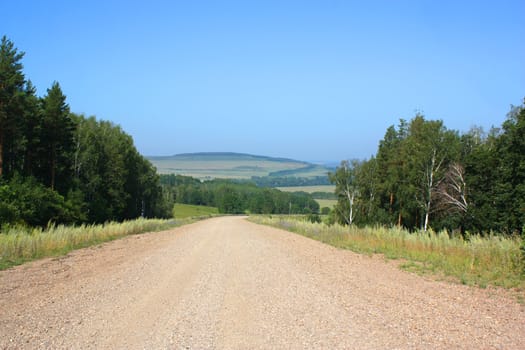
<point x="182" y="211"/>
<point x="19" y="245"/>
<point x="480" y="261"/>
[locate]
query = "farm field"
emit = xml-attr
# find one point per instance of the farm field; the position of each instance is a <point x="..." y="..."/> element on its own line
<point x="206" y="166"/>
<point x="329" y="203"/>
<point x="308" y="189"/>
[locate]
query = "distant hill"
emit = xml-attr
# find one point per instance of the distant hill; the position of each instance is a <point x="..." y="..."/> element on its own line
<point x="215" y="156"/>
<point x="210" y="165"/>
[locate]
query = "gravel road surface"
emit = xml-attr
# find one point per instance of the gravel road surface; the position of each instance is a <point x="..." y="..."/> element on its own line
<point x="226" y="283"/>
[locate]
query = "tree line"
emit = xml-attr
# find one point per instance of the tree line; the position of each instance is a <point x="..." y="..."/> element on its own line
<point x="289" y="181"/>
<point x="236" y="197"/>
<point x="427" y="176"/>
<point x="62" y="167"/>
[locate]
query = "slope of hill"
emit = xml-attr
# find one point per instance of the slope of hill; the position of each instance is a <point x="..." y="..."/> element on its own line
<point x="211" y="165"/>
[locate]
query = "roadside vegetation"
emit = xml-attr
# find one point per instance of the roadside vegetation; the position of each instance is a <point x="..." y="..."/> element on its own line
<point x="457" y="201"/>
<point x="21" y="244"/>
<point x="473" y="260"/>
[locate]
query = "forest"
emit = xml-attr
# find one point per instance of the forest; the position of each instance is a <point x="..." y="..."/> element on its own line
<point x="427" y="176"/>
<point x="236" y="197"/>
<point x="57" y="166"/>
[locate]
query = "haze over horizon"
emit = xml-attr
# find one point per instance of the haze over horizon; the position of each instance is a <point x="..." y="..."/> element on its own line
<point x="306" y="80"/>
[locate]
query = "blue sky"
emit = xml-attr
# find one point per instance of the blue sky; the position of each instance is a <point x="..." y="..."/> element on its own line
<point x="311" y="80"/>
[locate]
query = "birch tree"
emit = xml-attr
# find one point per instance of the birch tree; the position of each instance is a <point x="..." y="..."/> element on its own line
<point x="346" y="189"/>
<point x="431" y="148"/>
<point x="452" y="190"/>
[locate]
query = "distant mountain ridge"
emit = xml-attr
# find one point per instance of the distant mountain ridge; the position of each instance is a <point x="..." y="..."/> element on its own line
<point x="209" y="165"/>
<point x="223" y="156"/>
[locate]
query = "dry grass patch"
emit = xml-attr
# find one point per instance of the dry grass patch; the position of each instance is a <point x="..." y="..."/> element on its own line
<point x="18" y="244"/>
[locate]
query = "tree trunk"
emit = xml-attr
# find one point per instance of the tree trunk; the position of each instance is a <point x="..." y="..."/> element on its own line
<point x="426" y="221"/>
<point x="351" y="211"/>
<point x="433" y="168"/>
<point x="350" y="195"/>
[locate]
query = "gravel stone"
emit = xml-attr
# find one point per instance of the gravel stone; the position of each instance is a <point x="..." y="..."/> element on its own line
<point x="226" y="283"/>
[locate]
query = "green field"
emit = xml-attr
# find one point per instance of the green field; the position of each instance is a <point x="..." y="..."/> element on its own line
<point x="329" y="203"/>
<point x="308" y="189"/>
<point x="181" y="211"/>
<point x="206" y="166"/>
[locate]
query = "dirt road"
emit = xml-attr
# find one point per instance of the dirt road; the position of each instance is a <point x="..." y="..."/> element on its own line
<point x="225" y="283"/>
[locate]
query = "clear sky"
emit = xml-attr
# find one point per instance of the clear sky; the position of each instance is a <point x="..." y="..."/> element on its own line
<point x="311" y="80"/>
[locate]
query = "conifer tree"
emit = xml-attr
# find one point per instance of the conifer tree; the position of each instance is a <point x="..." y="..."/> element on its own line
<point x="12" y="83"/>
<point x="57" y="137"/>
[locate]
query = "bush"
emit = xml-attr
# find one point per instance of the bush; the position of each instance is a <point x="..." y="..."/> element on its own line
<point x="25" y="201"/>
<point x="314" y="218"/>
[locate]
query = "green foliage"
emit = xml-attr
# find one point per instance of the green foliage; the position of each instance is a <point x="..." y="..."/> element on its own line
<point x="325" y="211"/>
<point x="59" y="167"/>
<point x="232" y="197"/>
<point x="56" y="139"/>
<point x="25" y="201"/>
<point x="12" y="98"/>
<point x="228" y="200"/>
<point x="347" y="190"/>
<point x="426" y="176"/>
<point x="510" y="148"/>
<point x="495" y="169"/>
<point x="314" y="218"/>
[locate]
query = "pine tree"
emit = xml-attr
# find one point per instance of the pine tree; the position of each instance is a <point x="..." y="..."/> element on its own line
<point x="57" y="138"/>
<point x="511" y="180"/>
<point x="32" y="129"/>
<point x="12" y="82"/>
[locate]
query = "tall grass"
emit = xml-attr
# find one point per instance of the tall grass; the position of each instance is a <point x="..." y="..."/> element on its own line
<point x="18" y="244"/>
<point x="482" y="261"/>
